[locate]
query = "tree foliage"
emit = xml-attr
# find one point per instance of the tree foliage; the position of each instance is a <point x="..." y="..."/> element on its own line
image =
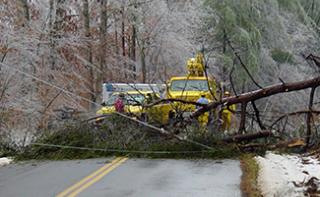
<point x="254" y="28"/>
<point x="237" y="22"/>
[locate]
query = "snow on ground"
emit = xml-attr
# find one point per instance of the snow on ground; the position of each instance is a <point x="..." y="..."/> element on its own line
<point x="5" y="161"/>
<point x="287" y="175"/>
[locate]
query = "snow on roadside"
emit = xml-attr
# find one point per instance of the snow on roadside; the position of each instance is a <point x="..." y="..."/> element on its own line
<point x="286" y="175"/>
<point x="5" y="161"/>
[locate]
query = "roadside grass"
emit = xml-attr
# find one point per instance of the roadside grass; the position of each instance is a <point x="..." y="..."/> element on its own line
<point x="117" y="136"/>
<point x="250" y="170"/>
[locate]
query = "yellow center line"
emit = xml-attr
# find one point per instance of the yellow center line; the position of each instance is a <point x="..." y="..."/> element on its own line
<point x="97" y="178"/>
<point x="89" y="177"/>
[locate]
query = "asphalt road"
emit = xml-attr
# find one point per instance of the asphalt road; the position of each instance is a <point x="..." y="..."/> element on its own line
<point x="121" y="177"/>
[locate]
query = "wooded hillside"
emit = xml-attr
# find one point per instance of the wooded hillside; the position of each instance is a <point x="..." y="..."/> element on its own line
<point x="55" y="54"/>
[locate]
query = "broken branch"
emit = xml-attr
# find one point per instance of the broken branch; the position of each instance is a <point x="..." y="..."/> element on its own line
<point x="248" y="137"/>
<point x="257" y="113"/>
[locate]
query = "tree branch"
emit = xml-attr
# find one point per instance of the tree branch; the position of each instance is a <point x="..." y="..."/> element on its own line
<point x="243" y="65"/>
<point x="231" y="82"/>
<point x="257" y="113"/>
<point x="293" y="114"/>
<point x="248" y="137"/>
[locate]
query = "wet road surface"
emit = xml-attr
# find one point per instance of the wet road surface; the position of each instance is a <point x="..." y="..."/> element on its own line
<point x="122" y="177"/>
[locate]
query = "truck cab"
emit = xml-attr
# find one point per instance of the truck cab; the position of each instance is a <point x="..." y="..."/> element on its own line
<point x="195" y="83"/>
<point x="188" y="88"/>
<point x="191" y="88"/>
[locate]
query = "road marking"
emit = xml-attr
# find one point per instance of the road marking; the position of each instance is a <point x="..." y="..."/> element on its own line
<point x="91" y="177"/>
<point x="97" y="178"/>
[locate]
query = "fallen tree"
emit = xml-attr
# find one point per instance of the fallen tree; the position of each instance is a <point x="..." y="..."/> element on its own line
<point x="251" y="97"/>
<point x="248" y="137"/>
<point x="260" y="93"/>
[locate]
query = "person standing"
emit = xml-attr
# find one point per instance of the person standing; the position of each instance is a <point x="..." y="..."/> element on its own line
<point x="204" y="118"/>
<point x="202" y="100"/>
<point x="119" y="103"/>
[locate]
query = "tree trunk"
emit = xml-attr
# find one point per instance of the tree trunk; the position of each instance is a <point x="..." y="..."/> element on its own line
<point x="133" y="52"/>
<point x="103" y="39"/>
<point x="123" y="33"/>
<point x="59" y="17"/>
<point x="116" y="34"/>
<point x="133" y="48"/>
<point x="143" y="65"/>
<point x="56" y="26"/>
<point x="225" y="41"/>
<point x="25" y="8"/>
<point x="90" y="76"/>
<point x="133" y="43"/>
<point x="52" y="42"/>
<point x="103" y="33"/>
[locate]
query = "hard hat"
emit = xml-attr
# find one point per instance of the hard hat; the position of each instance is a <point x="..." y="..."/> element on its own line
<point x="227" y="93"/>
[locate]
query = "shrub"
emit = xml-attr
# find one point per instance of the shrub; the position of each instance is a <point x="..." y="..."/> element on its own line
<point x="281" y="56"/>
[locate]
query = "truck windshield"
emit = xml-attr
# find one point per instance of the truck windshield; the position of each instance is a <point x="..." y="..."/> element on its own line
<point x="189" y="85"/>
<point x="130" y="99"/>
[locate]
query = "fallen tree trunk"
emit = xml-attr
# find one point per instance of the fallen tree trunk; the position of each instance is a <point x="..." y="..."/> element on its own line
<point x="260" y="93"/>
<point x="248" y="137"/>
<point x="291" y="144"/>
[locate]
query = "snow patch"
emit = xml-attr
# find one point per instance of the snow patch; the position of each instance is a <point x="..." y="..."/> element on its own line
<point x="286" y="175"/>
<point x="5" y="161"/>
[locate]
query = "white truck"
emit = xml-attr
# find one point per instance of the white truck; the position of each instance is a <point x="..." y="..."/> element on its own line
<point x="109" y="88"/>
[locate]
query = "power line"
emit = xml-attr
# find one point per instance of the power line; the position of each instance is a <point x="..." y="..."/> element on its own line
<point x="116" y="150"/>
